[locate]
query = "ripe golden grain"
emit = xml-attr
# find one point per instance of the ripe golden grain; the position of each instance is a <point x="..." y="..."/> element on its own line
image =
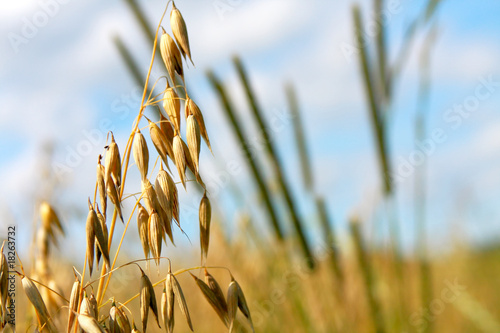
<point x="73" y="304"/>
<point x="180" y="32"/>
<point x="113" y="195"/>
<point x="113" y="162"/>
<point x="193" y="141"/>
<point x="89" y="324"/>
<point x="205" y="216"/>
<point x="155" y="235"/>
<point x="36" y="300"/>
<point x="180" y="159"/>
<point x="141" y="154"/>
<point x="101" y="174"/>
<point x="142" y="225"/>
<point x="172" y="106"/>
<point x="215" y="302"/>
<point x="171" y="57"/>
<point x="192" y="108"/>
<point x="118" y="320"/>
<point x="90" y="228"/>
<point x="148" y="300"/>
<point x="161" y="142"/>
<point x="177" y="290"/>
<point x="236" y="299"/>
<point x="50" y="220"/>
<point x="168" y="311"/>
<point x="167" y="129"/>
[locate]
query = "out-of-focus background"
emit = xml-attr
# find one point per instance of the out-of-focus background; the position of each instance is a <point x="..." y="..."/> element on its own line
<point x="64" y="84"/>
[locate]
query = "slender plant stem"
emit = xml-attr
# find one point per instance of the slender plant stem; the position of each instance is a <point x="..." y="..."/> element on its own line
<point x="366" y="271"/>
<point x="272" y="153"/>
<point x="126" y="157"/>
<point x="264" y="192"/>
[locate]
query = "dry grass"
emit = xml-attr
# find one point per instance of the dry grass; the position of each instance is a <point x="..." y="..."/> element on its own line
<point x="348" y="286"/>
<point x="91" y="307"/>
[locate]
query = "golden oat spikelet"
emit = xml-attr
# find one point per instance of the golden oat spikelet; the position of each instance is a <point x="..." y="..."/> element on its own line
<point x="172" y="106"/>
<point x="90" y="228"/>
<point x="113" y="195"/>
<point x="171" y="56"/>
<point x="236" y="299"/>
<point x="155" y="236"/>
<point x="147" y="301"/>
<point x="167" y="128"/>
<point x="73" y="303"/>
<point x="205" y="216"/>
<point x="104" y="228"/>
<point x="162" y="191"/>
<point x="118" y="320"/>
<point x="142" y="225"/>
<point x="193" y="141"/>
<point x="36" y="300"/>
<point x="86" y="308"/>
<point x="160" y="141"/>
<point x="89" y="324"/>
<point x="113" y="162"/>
<point x="192" y="108"/>
<point x="168" y="310"/>
<point x="180" y="159"/>
<point x="218" y="304"/>
<point x="141" y="154"/>
<point x="101" y="236"/>
<point x="50" y="221"/>
<point x="180" y="32"/>
<point x="173" y="285"/>
<point x="101" y="185"/>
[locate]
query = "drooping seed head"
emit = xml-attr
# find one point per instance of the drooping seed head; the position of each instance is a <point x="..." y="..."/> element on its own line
<point x="193" y="140"/>
<point x="142" y="225"/>
<point x="141" y="154"/>
<point x="50" y="221"/>
<point x="172" y="106"/>
<point x="180" y="158"/>
<point x="112" y="163"/>
<point x="89" y="324"/>
<point x="114" y="196"/>
<point x="161" y="142"/>
<point x="192" y="108"/>
<point x="214" y="301"/>
<point x="180" y="32"/>
<point x="181" y="300"/>
<point x="171" y="57"/>
<point x="147" y="301"/>
<point x="155" y="236"/>
<point x="91" y="225"/>
<point x="167" y="128"/>
<point x="36" y="300"/>
<point x="101" y="174"/>
<point x="205" y="216"/>
<point x="73" y="304"/>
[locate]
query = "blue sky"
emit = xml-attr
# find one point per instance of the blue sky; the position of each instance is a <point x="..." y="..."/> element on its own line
<point x="67" y="82"/>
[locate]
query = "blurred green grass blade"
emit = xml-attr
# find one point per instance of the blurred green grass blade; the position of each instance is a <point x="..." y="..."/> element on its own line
<point x="368" y="278"/>
<point x="426" y="292"/>
<point x="129" y="61"/>
<point x="300" y="139"/>
<point x="236" y="126"/>
<point x="275" y="162"/>
<point x="375" y="118"/>
<point x="330" y="240"/>
<point x="131" y="65"/>
<point x="142" y="20"/>
<point x="146" y="27"/>
<point x="381" y="50"/>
